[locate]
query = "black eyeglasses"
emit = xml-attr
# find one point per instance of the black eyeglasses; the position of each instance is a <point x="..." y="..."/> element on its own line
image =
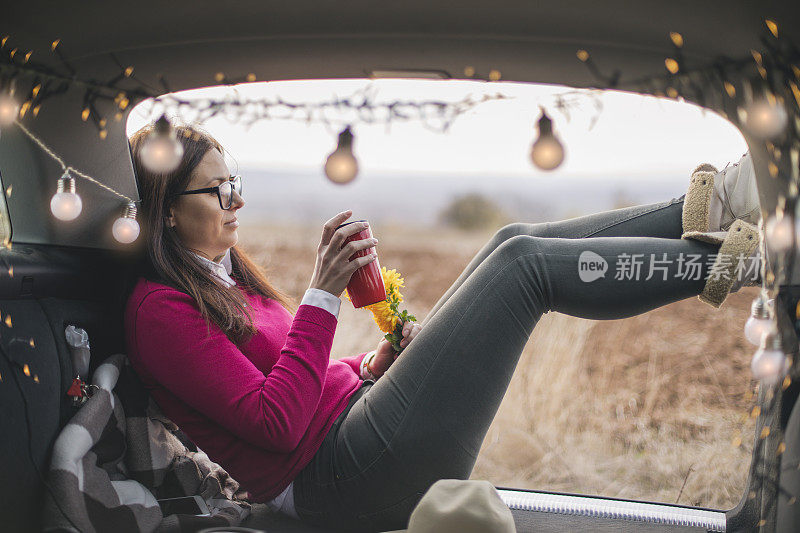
<point x="224" y="191"/>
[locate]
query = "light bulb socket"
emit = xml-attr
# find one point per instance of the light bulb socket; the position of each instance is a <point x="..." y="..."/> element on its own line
<point x="162" y="126"/>
<point x="759" y="308"/>
<point x="130" y="211"/>
<point x="345" y="139"/>
<point x="545" y="124"/>
<point x="771" y="341"/>
<point x="66" y="183"/>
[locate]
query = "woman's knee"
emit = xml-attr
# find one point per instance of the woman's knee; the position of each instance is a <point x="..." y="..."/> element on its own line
<point x="518" y="245"/>
<point x="510" y="230"/>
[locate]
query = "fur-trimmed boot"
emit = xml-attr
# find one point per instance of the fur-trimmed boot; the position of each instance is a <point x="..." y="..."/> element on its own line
<point x="716" y="198"/>
<point x="737" y="263"/>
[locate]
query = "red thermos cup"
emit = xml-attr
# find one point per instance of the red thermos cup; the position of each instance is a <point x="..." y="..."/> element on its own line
<point x="366" y="284"/>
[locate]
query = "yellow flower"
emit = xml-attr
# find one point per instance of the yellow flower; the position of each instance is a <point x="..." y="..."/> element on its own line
<point x="384" y="317"/>
<point x="392" y="281"/>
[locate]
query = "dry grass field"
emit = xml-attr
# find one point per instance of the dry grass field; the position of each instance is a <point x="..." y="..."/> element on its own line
<point x="643" y="408"/>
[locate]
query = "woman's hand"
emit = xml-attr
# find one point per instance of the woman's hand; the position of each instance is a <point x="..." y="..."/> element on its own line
<point x="333" y="269"/>
<point x="385" y="354"/>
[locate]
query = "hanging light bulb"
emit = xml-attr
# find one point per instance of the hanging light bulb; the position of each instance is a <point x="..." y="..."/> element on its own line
<point x="780" y="232"/>
<point x="65" y="203"/>
<point x="9" y="109"/>
<point x="547" y="153"/>
<point x="769" y="362"/>
<point x="341" y="165"/>
<point x="125" y="228"/>
<point x="759" y="322"/>
<point x="765" y="118"/>
<point x="162" y="151"/>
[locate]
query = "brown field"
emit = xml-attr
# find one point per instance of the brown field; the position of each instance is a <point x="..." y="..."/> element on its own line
<point x="644" y="408"/>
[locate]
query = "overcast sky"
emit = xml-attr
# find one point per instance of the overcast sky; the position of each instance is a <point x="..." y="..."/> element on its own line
<point x="635" y="138"/>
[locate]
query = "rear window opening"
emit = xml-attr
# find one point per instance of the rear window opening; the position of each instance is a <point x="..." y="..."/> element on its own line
<point x="645" y="408"/>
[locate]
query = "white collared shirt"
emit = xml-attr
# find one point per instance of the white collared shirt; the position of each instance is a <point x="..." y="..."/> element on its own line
<point x="222" y="269"/>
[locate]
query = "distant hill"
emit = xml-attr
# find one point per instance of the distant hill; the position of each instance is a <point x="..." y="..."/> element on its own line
<point x="297" y="197"/>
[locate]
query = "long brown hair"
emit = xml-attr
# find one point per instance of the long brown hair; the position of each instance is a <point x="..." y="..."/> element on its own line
<point x="169" y="262"/>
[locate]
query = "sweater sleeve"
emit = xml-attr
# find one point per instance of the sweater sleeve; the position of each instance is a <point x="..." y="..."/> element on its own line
<point x="354" y="362"/>
<point x="210" y="374"/>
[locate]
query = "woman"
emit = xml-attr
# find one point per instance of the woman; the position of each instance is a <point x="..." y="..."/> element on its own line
<point x="355" y="443"/>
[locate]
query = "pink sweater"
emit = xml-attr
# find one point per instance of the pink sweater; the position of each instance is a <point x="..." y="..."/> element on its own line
<point x="260" y="409"/>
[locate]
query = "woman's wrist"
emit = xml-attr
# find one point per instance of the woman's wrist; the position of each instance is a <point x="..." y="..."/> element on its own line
<point x="365" y="370"/>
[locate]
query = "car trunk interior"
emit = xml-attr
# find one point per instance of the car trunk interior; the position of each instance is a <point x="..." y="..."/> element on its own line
<point x="77" y="274"/>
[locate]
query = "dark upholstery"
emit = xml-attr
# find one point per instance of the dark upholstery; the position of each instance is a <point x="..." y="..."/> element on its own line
<point x="50" y="289"/>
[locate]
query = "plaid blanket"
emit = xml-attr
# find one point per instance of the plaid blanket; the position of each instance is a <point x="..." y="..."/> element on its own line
<point x="119" y="453"/>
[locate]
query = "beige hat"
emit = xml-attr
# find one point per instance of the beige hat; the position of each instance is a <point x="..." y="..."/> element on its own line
<point x="459" y="506"/>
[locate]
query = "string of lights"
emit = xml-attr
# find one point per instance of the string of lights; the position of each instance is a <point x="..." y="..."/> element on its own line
<point x="66" y="204"/>
<point x="162" y="151"/>
<point x="763" y="469"/>
<point x="362" y="107"/>
<point x="126" y="90"/>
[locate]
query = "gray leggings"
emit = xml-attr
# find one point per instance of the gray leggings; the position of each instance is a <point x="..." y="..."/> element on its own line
<point x="426" y="418"/>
